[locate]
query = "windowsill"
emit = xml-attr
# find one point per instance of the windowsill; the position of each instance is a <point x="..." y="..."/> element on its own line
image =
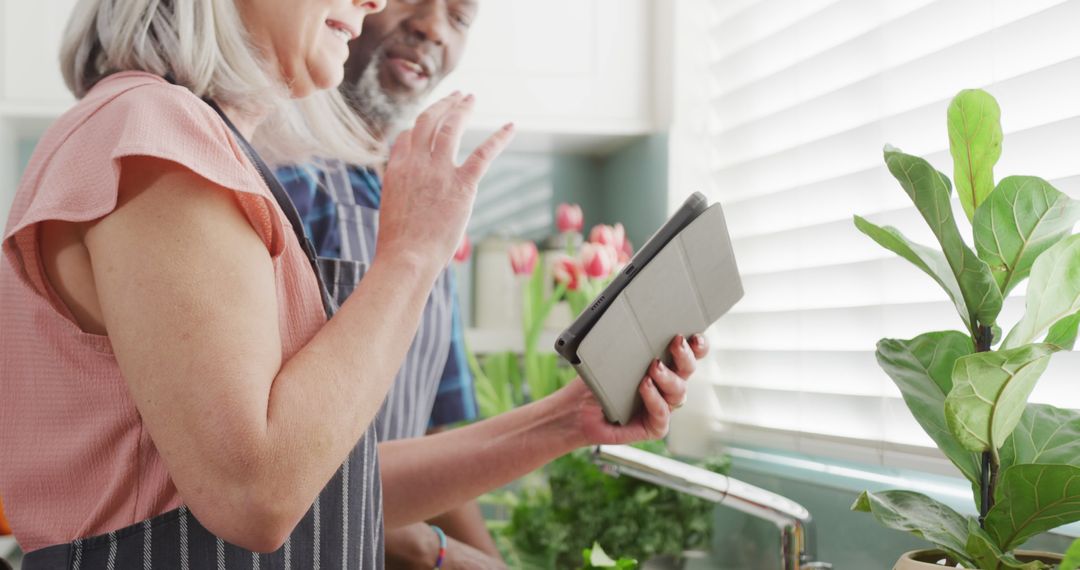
<point x="847" y="475"/>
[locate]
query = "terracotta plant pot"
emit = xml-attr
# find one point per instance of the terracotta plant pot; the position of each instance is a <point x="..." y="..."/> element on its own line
<point x="927" y="559"/>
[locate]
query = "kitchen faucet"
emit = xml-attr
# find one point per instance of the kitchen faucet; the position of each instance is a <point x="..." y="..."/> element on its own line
<point x="791" y="518"/>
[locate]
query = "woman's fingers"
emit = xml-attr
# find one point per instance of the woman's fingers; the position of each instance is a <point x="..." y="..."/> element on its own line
<point x="684" y="358"/>
<point x="672" y="386"/>
<point x="699" y="345"/>
<point x="430" y="119"/>
<point x="474" y="167"/>
<point x="447" y="138"/>
<point x="657" y="410"/>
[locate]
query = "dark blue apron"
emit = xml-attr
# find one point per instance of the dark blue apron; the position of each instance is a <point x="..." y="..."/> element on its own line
<point x="407" y="410"/>
<point x="343" y="529"/>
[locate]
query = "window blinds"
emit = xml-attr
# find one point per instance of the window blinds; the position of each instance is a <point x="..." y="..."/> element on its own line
<point x="798" y="97"/>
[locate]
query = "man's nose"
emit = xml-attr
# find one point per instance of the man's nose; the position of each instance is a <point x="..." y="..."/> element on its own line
<point x="430" y="23"/>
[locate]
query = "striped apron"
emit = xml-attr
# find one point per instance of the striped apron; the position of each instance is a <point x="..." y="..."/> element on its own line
<point x="342" y="530"/>
<point x="407" y="409"/>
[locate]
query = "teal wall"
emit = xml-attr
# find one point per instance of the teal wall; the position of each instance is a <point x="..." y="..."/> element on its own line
<point x="25" y="148"/>
<point x="521" y="191"/>
<point x="633" y="183"/>
<point x="577" y="180"/>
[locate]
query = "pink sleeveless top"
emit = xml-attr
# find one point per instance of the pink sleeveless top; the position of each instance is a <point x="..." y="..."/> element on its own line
<point x="75" y="460"/>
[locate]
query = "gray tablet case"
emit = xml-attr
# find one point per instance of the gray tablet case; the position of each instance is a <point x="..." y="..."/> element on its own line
<point x="685" y="288"/>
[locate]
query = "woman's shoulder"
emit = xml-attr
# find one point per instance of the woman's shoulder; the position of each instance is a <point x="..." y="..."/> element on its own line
<point x="134" y="113"/>
<point x="126" y="114"/>
<point x="141" y="111"/>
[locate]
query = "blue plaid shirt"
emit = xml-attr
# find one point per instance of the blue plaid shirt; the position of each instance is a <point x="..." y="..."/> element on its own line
<point x="456" y="397"/>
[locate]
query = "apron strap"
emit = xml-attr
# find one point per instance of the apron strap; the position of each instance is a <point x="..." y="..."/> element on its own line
<point x="285" y="203"/>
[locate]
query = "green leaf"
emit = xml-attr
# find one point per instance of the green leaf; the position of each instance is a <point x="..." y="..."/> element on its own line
<point x="986" y="553"/>
<point x="595" y="557"/>
<point x="1033" y="499"/>
<point x="1020" y="220"/>
<point x="1063" y="333"/>
<point x="922" y="369"/>
<point x="990" y="391"/>
<point x="1045" y="434"/>
<point x="1053" y="293"/>
<point x="975" y="144"/>
<point x="1072" y="557"/>
<point x="599" y="557"/>
<point x="931" y="261"/>
<point x="929" y="190"/>
<point x="495" y="385"/>
<point x="920" y="515"/>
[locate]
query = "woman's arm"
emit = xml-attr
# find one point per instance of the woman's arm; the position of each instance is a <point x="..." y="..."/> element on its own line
<point x="188" y="296"/>
<point x="425" y="476"/>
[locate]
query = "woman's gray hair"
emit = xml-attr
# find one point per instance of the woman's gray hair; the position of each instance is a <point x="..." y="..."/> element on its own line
<point x="203" y="45"/>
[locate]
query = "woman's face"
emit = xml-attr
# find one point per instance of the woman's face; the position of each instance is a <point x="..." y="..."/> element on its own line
<point x="306" y="40"/>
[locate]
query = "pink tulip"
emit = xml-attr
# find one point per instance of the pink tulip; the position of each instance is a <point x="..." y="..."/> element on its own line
<point x="598" y="260"/>
<point x="568" y="271"/>
<point x="623" y="247"/>
<point x="569" y="218"/>
<point x="464" y="250"/>
<point x="615" y="237"/>
<point x="523" y="258"/>
<point x="602" y="234"/>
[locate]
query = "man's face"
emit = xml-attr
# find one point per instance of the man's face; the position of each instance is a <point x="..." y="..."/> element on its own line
<point x="403" y="54"/>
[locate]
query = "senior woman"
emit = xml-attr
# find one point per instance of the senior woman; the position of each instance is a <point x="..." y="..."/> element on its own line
<point x="173" y="393"/>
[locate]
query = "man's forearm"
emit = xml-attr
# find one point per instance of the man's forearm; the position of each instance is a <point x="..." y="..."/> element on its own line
<point x="427" y="476"/>
<point x="416" y="546"/>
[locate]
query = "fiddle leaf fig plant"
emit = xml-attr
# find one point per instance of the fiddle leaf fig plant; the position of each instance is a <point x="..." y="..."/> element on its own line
<point x="969" y="389"/>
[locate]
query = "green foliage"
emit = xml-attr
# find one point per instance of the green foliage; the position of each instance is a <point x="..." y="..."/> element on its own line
<point x="920" y="515"/>
<point x="506" y="380"/>
<point x="1053" y="293"/>
<point x="1045" y="434"/>
<point x="633" y="518"/>
<point x="922" y="369"/>
<point x="1033" y="499"/>
<point x="930" y="260"/>
<point x="986" y="554"/>
<point x="975" y="144"/>
<point x="929" y="190"/>
<point x="1023" y="217"/>
<point x="1072" y="557"/>
<point x="971" y="400"/>
<point x="990" y="390"/>
<point x="1063" y="333"/>
<point x="498" y="382"/>
<point x="595" y="557"/>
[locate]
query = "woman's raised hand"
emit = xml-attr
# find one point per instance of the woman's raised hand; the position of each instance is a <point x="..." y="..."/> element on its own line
<point x="428" y="198"/>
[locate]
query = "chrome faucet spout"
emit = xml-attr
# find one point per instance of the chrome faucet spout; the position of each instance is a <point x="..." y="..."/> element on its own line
<point x="791" y="519"/>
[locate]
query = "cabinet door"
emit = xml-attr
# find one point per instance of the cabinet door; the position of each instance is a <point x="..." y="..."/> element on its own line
<point x="30" y="47"/>
<point x="560" y="65"/>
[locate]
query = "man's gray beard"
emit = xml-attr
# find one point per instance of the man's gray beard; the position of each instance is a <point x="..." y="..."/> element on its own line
<point x="388" y="116"/>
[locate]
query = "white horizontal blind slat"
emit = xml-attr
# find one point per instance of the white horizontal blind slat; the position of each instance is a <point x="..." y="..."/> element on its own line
<point x="998" y="48"/>
<point x="801" y="98"/>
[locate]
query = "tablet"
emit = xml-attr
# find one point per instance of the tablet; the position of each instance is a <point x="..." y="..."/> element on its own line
<point x="680" y="282"/>
<point x="567" y="343"/>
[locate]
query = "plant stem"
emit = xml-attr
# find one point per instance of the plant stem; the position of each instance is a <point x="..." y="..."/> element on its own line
<point x="988" y="476"/>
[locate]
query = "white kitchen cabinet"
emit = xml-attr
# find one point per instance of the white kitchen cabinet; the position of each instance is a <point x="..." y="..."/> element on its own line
<point x="573" y="75"/>
<point x="576" y="76"/>
<point x="31" y="50"/>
